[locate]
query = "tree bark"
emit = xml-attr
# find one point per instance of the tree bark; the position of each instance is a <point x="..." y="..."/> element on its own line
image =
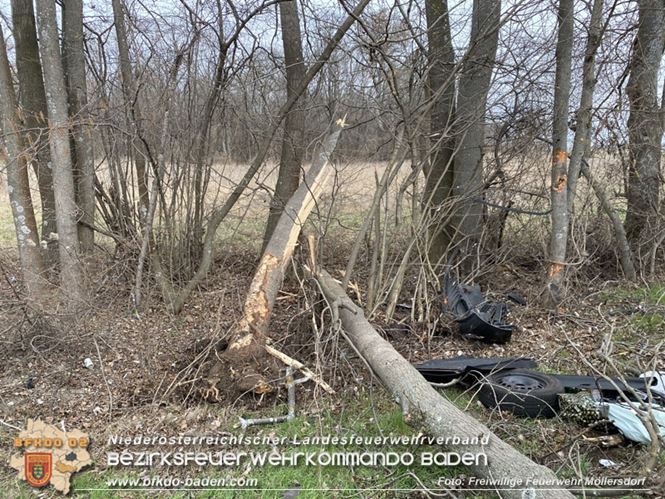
<point x="474" y="83"/>
<point x="242" y="362"/>
<point x="559" y="188"/>
<point x="424" y="408"/>
<point x="582" y="141"/>
<point x="33" y="104"/>
<point x="290" y="161"/>
<point x="63" y="180"/>
<point x="18" y="186"/>
<point x="84" y="167"/>
<point x="441" y="88"/>
<point x="644" y="124"/>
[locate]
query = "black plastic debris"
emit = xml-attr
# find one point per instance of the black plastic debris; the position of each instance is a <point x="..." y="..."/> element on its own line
<point x="478" y="318"/>
<point x="516" y="297"/>
<point x="609" y="389"/>
<point x="447" y="370"/>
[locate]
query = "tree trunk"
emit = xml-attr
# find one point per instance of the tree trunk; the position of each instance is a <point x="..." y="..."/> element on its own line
<point x="17" y="183"/>
<point x="424" y="408"/>
<point x="474" y="83"/>
<point x="559" y="189"/>
<point x="33" y="103"/>
<point x="644" y="124"/>
<point x="582" y="141"/>
<point x="441" y="88"/>
<point x="129" y="92"/>
<point x="243" y="361"/>
<point x="291" y="156"/>
<point x="63" y="180"/>
<point x="84" y="167"/>
<point x="220" y="213"/>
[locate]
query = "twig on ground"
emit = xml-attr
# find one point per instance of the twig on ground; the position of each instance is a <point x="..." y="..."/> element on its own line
<point x="299" y="366"/>
<point x="106" y="382"/>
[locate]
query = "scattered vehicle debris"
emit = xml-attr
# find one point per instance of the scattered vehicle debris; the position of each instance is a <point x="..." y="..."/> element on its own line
<point x="629" y="424"/>
<point x="447" y="370"/>
<point x="478" y="318"/>
<point x="509" y="384"/>
<point x="608" y="389"/>
<point x="582" y="408"/>
<point x="291" y="414"/>
<point x="621" y="416"/>
<point x="657" y="381"/>
<point x="522" y="392"/>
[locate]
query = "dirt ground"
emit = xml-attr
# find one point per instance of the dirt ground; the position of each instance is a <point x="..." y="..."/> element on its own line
<point x="136" y="383"/>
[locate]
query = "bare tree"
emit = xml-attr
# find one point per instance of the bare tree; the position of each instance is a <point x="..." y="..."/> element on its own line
<point x="474" y="84"/>
<point x="441" y="87"/>
<point x="131" y="100"/>
<point x="84" y="168"/>
<point x="583" y="138"/>
<point x="290" y="161"/>
<point x="559" y="187"/>
<point x="63" y="179"/>
<point x="243" y="362"/>
<point x="18" y="184"/>
<point x="33" y="104"/>
<point x="645" y="122"/>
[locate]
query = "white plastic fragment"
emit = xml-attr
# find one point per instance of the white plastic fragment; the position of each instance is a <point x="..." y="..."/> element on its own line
<point x="630" y="425"/>
<point x="659" y="385"/>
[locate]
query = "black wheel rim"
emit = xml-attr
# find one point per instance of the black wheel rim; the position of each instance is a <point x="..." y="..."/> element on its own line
<point x="521" y="383"/>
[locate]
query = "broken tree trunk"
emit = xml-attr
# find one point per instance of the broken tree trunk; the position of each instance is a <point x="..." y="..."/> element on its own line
<point x="422" y="404"/>
<point x="219" y="214"/>
<point x="246" y="356"/>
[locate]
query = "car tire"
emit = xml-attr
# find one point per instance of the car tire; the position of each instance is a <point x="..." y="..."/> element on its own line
<point x="522" y="392"/>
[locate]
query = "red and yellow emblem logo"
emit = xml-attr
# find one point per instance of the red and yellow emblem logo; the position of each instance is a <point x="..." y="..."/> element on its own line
<point x="38" y="468"/>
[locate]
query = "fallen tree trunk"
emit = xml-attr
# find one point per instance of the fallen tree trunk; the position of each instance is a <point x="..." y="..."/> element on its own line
<point x="423" y="406"/>
<point x="244" y="361"/>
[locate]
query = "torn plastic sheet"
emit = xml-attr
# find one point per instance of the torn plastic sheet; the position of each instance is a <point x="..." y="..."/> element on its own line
<point x="630" y="425"/>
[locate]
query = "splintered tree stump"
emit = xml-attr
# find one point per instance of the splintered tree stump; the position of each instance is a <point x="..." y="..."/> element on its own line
<point x="245" y="366"/>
